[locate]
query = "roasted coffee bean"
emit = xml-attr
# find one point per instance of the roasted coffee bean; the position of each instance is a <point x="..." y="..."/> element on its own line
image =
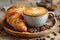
<point x="54" y="34"/>
<point x="39" y="29"/>
<point x="31" y="30"/>
<point x="48" y="36"/>
<point x="59" y="31"/>
<point x="35" y="30"/>
<point x="48" y="27"/>
<point x="59" y="26"/>
<point x="43" y="28"/>
<point x="52" y="39"/>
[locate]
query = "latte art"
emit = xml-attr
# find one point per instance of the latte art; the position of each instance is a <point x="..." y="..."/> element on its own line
<point x="35" y="11"/>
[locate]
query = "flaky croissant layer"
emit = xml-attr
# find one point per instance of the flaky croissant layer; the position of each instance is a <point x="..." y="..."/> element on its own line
<point x="15" y="19"/>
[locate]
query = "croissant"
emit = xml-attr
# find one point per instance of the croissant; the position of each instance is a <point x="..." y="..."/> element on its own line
<point x="15" y="19"/>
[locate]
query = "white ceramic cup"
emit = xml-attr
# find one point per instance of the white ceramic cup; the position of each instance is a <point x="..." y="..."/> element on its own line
<point x="37" y="21"/>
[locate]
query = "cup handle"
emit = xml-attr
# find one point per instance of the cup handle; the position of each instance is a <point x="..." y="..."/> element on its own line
<point x="51" y="15"/>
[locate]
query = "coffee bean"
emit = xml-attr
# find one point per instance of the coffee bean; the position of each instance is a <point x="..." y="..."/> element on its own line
<point x="52" y="39"/>
<point x="39" y="29"/>
<point x="31" y="30"/>
<point x="59" y="31"/>
<point x="59" y="26"/>
<point x="48" y="27"/>
<point x="48" y="36"/>
<point x="35" y="30"/>
<point x="54" y="34"/>
<point x="43" y="28"/>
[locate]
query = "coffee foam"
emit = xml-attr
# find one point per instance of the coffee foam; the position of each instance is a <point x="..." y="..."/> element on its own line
<point x="35" y="11"/>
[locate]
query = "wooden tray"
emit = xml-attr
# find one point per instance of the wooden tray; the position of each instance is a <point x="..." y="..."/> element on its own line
<point x="27" y="34"/>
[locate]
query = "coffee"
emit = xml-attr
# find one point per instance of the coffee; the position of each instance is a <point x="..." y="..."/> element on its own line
<point x="35" y="11"/>
<point x="36" y="16"/>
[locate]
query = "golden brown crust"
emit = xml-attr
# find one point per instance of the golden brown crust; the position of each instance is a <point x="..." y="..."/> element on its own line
<point x="15" y="19"/>
<point x="35" y="11"/>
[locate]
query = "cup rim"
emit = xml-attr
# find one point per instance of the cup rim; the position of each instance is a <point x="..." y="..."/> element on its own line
<point x="34" y="16"/>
